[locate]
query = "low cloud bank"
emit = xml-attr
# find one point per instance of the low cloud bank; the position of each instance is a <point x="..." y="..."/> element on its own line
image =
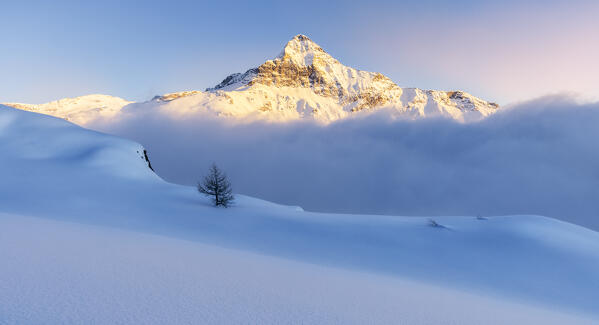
<point x="539" y="157"/>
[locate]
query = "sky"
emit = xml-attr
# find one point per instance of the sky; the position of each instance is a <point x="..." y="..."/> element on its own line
<point x="502" y="51"/>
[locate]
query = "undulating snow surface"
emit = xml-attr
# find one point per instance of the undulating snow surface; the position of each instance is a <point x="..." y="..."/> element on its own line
<point x="302" y="82"/>
<point x="65" y="273"/>
<point x="89" y="234"/>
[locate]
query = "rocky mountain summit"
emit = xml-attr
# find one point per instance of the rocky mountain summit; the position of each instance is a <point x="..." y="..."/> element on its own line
<point x="303" y="63"/>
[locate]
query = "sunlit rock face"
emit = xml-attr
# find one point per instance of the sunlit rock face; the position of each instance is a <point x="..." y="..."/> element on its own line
<point x="173" y="96"/>
<point x="302" y="82"/>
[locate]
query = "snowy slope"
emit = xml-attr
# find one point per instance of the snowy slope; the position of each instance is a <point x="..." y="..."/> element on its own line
<point x="97" y="275"/>
<point x="302" y="82"/>
<point x="109" y="233"/>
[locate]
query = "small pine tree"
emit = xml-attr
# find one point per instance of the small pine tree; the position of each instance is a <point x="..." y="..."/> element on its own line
<point x="217" y="185"/>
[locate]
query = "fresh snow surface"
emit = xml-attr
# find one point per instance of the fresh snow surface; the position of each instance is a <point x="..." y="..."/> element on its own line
<point x="89" y="234"/>
<point x="65" y="273"/>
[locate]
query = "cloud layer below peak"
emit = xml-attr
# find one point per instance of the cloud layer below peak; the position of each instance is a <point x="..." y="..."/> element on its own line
<point x="539" y="157"/>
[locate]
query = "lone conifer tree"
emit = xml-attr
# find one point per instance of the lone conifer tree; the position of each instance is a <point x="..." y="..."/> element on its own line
<point x="217" y="185"/>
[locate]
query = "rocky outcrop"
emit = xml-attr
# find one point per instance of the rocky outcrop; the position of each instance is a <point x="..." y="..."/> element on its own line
<point x="173" y="96"/>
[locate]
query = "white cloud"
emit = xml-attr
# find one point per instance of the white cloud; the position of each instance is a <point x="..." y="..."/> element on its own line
<point x="539" y="157"/>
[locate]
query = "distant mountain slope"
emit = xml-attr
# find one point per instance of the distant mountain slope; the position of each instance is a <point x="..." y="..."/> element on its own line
<point x="303" y="81"/>
<point x="80" y="110"/>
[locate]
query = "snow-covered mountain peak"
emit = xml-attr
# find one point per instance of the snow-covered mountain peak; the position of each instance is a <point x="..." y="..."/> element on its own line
<point x="303" y="81"/>
<point x="302" y="51"/>
<point x="304" y="64"/>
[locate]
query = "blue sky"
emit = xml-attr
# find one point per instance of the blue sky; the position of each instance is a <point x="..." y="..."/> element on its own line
<point x="502" y="51"/>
